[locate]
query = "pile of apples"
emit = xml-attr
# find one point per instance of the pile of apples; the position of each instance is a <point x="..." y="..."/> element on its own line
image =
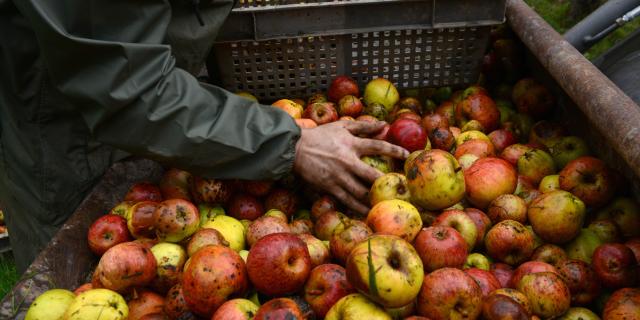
<point x="496" y="214"/>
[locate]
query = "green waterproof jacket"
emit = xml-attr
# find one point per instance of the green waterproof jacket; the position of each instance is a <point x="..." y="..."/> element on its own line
<point x="84" y="82"/>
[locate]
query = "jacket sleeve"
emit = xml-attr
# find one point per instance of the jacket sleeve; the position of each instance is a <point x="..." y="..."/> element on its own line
<point x="109" y="58"/>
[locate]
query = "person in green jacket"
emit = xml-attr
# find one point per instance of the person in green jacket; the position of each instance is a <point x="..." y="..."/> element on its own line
<point x="85" y="83"/>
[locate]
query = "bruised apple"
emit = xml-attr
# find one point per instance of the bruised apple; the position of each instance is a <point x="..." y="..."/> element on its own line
<point x="213" y="274"/>
<point x="389" y="186"/>
<point x="143" y="191"/>
<point x="343" y="241"/>
<point x="435" y="180"/>
<point x="449" y="293"/>
<point x="439" y="247"/>
<point x="205" y="237"/>
<point x="175" y="220"/>
<point x="126" y="265"/>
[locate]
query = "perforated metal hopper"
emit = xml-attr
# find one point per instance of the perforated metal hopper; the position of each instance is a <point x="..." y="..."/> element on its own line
<point x="292" y="48"/>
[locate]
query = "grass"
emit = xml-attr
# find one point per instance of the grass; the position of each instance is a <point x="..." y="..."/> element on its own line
<point x="8" y="275"/>
<point x="557" y="14"/>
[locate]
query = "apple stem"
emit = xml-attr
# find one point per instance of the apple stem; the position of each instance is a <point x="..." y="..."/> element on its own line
<point x="373" y="285"/>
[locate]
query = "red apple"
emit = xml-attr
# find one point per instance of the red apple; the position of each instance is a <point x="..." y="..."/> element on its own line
<point x="213" y="274"/>
<point x="501" y="139"/>
<point x="532" y="98"/>
<point x="125" y="265"/>
<point x="581" y="280"/>
<point x="549" y="253"/>
<point x="546" y="131"/>
<point x="478" y="147"/>
<point x="408" y="134"/>
<point x="449" y="293"/>
<point x="615" y="265"/>
<point x="407" y="114"/>
<point x="441" y="138"/>
<point x="447" y="110"/>
<point x="507" y="207"/>
<point x="503" y="272"/>
<point x="342" y="86"/>
<point x="634" y="245"/>
<point x="106" y="232"/>
<point x="350" y="105"/>
<point x="257" y="188"/>
<point x="283" y="200"/>
<point x="433" y="121"/>
<point x="143" y="191"/>
<point x="482" y="221"/>
<point x="140" y="219"/>
<point x="145" y="303"/>
<point x="279" y="264"/>
<point x="175" y="220"/>
<point x="205" y="237"/>
<point x="326" y="285"/>
<point x="175" y="307"/>
<point x="478" y="107"/>
<point x="264" y="226"/>
<point x="498" y="307"/>
<point x="343" y="241"/>
<point x="485" y="279"/>
<point x="460" y="221"/>
<point x="488" y="178"/>
<point x="589" y="179"/>
<point x="530" y="267"/>
<point x="513" y="152"/>
<point x="440" y="246"/>
<point x="321" y="112"/>
<point x="236" y="309"/>
<point x="510" y="242"/>
<point x="623" y="304"/>
<point x="211" y="191"/>
<point x="244" y="206"/>
<point x="321" y="205"/>
<point x="175" y="184"/>
<point x="328" y="223"/>
<point x="549" y="295"/>
<point x="280" y="308"/>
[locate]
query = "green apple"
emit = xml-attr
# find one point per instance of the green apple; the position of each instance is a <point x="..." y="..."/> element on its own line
<point x="535" y="164"/>
<point x="477" y="260"/>
<point x="231" y="229"/>
<point x="470" y="135"/>
<point x="565" y="149"/>
<point x="208" y="212"/>
<point x="98" y="304"/>
<point x="356" y="307"/>
<point x="382" y="163"/>
<point x="579" y="313"/>
<point x="50" y="305"/>
<point x="170" y="259"/>
<point x="276" y="213"/>
<point x="381" y="90"/>
<point x="244" y="254"/>
<point x="506" y="113"/>
<point x="583" y="246"/>
<point x="556" y="216"/>
<point x="386" y="269"/>
<point x="549" y="183"/>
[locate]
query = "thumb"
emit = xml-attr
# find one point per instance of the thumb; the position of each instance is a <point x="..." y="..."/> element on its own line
<point x="364" y="127"/>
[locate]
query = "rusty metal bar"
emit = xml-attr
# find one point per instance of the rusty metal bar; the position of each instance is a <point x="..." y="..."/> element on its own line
<point x="609" y="109"/>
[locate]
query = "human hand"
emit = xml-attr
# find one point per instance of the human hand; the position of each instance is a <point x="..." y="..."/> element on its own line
<point x="328" y="157"/>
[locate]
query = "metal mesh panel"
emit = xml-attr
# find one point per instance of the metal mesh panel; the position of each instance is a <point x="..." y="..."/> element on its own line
<point x="298" y="67"/>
